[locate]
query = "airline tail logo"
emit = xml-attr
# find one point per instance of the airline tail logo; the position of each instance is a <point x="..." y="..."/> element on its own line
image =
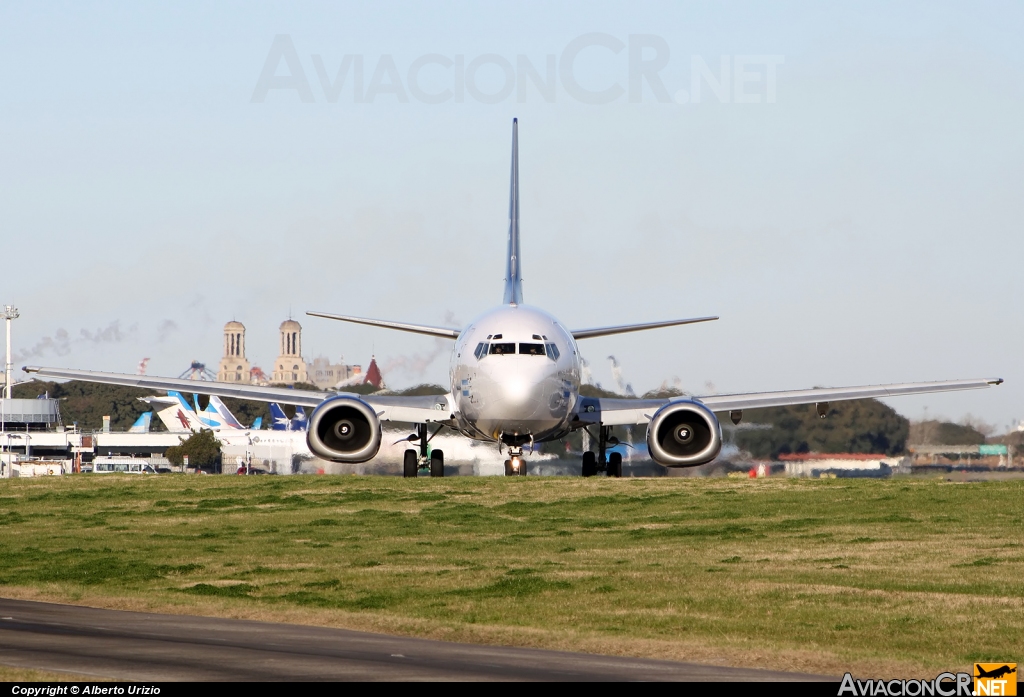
<point x="184" y="420"/>
<point x="995" y="679"/>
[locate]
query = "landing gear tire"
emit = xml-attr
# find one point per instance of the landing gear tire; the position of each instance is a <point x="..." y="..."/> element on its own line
<point x="615" y="465"/>
<point x="589" y="464"/>
<point x="510" y="470"/>
<point x="437" y="463"/>
<point x="410" y="464"/>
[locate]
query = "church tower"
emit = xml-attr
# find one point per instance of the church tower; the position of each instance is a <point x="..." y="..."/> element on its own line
<point x="234" y="367"/>
<point x="290" y="368"/>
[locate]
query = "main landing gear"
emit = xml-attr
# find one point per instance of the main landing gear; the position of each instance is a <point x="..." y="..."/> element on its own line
<point x="515" y="465"/>
<point x="415" y="461"/>
<point x="611" y="465"/>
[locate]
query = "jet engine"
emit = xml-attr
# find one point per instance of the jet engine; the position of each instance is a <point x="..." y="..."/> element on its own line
<point x="684" y="434"/>
<point x="344" y="429"/>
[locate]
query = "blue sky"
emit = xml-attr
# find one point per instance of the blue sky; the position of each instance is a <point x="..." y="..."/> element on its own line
<point x="863" y="226"/>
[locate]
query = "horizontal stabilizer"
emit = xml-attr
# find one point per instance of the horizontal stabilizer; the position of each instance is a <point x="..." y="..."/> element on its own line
<point x="443" y="332"/>
<point x="622" y="329"/>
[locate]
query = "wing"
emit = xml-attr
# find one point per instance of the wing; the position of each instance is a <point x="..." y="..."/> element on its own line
<point x="419" y="409"/>
<point x="443" y="332"/>
<point x="623" y="328"/>
<point x="757" y="400"/>
<point x="620" y="412"/>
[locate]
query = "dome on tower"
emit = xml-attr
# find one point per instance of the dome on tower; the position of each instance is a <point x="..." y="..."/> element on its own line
<point x="234" y="326"/>
<point x="290" y="325"/>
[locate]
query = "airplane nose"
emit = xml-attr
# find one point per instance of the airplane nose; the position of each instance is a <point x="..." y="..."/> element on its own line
<point x="518" y="389"/>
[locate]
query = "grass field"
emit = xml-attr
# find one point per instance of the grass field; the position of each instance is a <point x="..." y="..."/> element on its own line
<point x="902" y="576"/>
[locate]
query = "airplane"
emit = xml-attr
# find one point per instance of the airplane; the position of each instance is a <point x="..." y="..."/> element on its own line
<point x="515" y="376"/>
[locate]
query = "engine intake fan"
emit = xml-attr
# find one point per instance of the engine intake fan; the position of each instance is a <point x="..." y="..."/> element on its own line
<point x="344" y="429"/>
<point x="684" y="434"/>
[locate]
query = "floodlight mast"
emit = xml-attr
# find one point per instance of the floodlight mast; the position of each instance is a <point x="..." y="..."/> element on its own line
<point x="10" y="312"/>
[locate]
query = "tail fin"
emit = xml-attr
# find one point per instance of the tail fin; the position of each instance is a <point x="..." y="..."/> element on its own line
<point x="225" y="414"/>
<point x="141" y="424"/>
<point x="513" y="274"/>
<point x="174" y="412"/>
<point x="210" y="418"/>
<point x="279" y="422"/>
<point x="186" y="415"/>
<point x="299" y="422"/>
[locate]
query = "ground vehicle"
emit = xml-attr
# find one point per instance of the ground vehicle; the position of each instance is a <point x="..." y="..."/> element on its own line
<point x="113" y="464"/>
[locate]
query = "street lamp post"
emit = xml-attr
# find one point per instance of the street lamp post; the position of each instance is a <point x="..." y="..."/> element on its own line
<point x="19" y="436"/>
<point x="10" y="312"/>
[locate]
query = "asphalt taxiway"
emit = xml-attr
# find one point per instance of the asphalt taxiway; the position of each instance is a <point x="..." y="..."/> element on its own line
<point x="138" y="646"/>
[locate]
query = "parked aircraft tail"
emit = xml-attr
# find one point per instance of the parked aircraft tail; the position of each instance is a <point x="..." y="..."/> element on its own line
<point x="141" y="424"/>
<point x="175" y="416"/>
<point x="280" y="421"/>
<point x="225" y="414"/>
<point x="299" y="421"/>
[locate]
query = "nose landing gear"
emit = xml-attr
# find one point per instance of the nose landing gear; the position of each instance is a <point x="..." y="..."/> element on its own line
<point x="515" y="465"/>
<point x="610" y="464"/>
<point x="413" y="462"/>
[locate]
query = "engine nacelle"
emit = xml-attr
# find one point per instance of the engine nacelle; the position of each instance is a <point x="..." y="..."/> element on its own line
<point x="344" y="429"/>
<point x="684" y="434"/>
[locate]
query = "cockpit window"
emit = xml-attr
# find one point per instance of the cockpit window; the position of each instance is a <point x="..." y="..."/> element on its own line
<point x="500" y="349"/>
<point x="481" y="350"/>
<point x="552" y="351"/>
<point x="531" y="349"/>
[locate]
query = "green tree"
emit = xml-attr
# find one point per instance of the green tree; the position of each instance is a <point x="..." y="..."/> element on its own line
<point x="859" y="426"/>
<point x="944" y="433"/>
<point x="598" y="391"/>
<point x="422" y="390"/>
<point x="202" y="449"/>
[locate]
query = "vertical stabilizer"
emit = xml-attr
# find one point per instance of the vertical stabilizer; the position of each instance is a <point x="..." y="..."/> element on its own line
<point x="223" y="412"/>
<point x="513" y="274"/>
<point x="141" y="424"/>
<point x="279" y="420"/>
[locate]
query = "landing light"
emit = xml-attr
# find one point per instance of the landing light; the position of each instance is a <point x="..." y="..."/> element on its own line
<point x="517" y="390"/>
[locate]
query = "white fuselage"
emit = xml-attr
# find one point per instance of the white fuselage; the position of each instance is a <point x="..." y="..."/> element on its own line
<point x="515" y="376"/>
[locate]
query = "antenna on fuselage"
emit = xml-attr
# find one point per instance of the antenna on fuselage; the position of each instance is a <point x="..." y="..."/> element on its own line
<point x="513" y="275"/>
